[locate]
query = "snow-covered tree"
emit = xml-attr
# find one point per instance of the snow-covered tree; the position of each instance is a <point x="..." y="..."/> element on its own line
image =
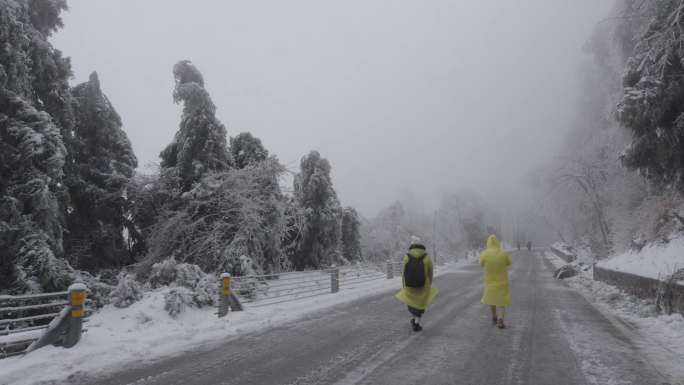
<point x="460" y="223"/>
<point x="652" y="104"/>
<point x="245" y="149"/>
<point x="589" y="197"/>
<point x="199" y="146"/>
<point x="351" y="236"/>
<point x="148" y="195"/>
<point x="103" y="164"/>
<point x="31" y="159"/>
<point x="30" y="66"/>
<point x="33" y="110"/>
<point x="319" y="240"/>
<point x="387" y="236"/>
<point x="225" y="219"/>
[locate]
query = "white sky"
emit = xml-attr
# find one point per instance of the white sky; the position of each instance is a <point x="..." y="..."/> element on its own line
<point x="403" y="97"/>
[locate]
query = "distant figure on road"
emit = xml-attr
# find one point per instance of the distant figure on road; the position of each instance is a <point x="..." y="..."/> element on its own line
<point x="416" y="281"/>
<point x="495" y="262"/>
<point x="529" y="245"/>
<point x="518" y="245"/>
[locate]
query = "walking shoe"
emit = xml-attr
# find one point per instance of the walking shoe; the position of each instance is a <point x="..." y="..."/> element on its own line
<point x="417" y="327"/>
<point x="500" y="323"/>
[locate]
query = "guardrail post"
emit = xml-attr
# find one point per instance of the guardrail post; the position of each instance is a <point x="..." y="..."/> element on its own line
<point x="77" y="298"/>
<point x="390" y="269"/>
<point x="227" y="299"/>
<point x="224" y="294"/>
<point x="334" y="279"/>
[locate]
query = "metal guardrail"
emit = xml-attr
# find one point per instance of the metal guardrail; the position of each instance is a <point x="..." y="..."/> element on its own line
<point x="22" y="314"/>
<point x="14" y="319"/>
<point x="270" y="289"/>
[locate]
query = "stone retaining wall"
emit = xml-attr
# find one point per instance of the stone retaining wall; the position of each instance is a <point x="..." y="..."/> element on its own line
<point x="672" y="296"/>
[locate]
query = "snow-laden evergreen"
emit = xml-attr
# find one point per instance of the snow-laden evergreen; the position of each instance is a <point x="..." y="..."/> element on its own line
<point x="652" y="104"/>
<point x="31" y="158"/>
<point x="245" y="149"/>
<point x="103" y="164"/>
<point x="351" y="235"/>
<point x="32" y="151"/>
<point x="319" y="239"/>
<point x="200" y="144"/>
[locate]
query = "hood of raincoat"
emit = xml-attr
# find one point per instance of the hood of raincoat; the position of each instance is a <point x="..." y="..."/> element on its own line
<point x="493" y="242"/>
<point x="417" y="252"/>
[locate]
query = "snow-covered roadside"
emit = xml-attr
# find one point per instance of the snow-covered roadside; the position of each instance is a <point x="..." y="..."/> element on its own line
<point x="661" y="335"/>
<point x="581" y="252"/>
<point x="653" y="261"/>
<point x="144" y="332"/>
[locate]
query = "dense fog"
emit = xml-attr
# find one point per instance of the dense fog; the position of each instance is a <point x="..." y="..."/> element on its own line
<point x="406" y="99"/>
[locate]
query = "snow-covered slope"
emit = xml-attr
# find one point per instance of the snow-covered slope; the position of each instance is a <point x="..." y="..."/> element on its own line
<point x="653" y="261"/>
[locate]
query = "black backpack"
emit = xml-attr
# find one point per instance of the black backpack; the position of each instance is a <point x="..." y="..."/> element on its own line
<point x="414" y="272"/>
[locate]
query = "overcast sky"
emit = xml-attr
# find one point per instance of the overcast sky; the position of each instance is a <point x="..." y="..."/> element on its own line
<point x="403" y="97"/>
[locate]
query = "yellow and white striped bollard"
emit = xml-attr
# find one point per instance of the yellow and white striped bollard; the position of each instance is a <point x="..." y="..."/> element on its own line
<point x="77" y="299"/>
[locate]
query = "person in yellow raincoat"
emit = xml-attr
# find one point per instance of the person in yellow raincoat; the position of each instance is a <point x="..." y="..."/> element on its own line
<point x="417" y="296"/>
<point x="496" y="262"/>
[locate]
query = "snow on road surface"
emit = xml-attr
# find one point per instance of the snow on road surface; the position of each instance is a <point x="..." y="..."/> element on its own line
<point x="144" y="332"/>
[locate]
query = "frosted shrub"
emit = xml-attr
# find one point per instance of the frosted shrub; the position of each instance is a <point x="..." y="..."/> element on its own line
<point x="177" y="299"/>
<point x="163" y="273"/>
<point x="204" y="293"/>
<point x="98" y="291"/>
<point x="188" y="275"/>
<point x="127" y="291"/>
<point x="203" y="285"/>
<point x="190" y="285"/>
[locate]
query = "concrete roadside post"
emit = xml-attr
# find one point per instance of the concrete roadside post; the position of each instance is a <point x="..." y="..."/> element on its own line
<point x="77" y="298"/>
<point x="390" y="269"/>
<point x="334" y="279"/>
<point x="224" y="294"/>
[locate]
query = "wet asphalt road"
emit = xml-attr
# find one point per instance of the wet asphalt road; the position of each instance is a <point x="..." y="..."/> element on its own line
<point x="554" y="336"/>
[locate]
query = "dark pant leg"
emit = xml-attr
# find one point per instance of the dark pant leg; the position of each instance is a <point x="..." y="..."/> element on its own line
<point x="416" y="312"/>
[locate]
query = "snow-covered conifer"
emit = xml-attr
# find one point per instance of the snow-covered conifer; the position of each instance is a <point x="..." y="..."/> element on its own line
<point x="351" y="237"/>
<point x="31" y="159"/>
<point x="319" y="241"/>
<point x="103" y="164"/>
<point x="200" y="144"/>
<point x="245" y="149"/>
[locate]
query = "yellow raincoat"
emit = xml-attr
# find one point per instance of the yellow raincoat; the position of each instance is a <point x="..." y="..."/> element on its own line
<point x="495" y="262"/>
<point x="418" y="297"/>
